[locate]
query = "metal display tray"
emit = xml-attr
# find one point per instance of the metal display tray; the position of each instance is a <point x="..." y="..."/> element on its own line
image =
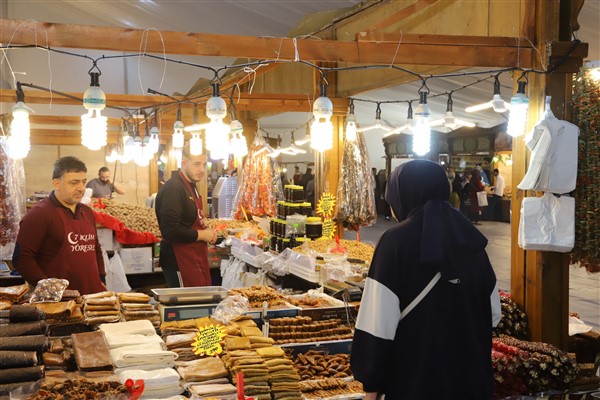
<point x="191" y="295"/>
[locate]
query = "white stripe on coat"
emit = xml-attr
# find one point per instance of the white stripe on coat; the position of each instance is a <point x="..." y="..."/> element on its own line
<point x="379" y="311"/>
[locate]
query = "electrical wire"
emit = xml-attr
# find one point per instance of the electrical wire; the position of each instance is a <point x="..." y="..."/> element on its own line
<point x="254" y="65"/>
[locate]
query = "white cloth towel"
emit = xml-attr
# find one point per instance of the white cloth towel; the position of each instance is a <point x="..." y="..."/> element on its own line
<point x="137" y="327"/>
<point x="150" y="353"/>
<point x="157" y="379"/>
<point x="145" y="367"/>
<point x="163" y="393"/>
<point x="115" y="340"/>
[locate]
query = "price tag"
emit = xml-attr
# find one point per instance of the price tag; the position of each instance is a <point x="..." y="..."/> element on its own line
<point x="326" y="205"/>
<point x="329" y="228"/>
<point x="208" y="340"/>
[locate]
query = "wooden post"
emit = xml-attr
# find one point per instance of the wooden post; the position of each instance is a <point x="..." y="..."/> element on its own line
<point x="540" y="280"/>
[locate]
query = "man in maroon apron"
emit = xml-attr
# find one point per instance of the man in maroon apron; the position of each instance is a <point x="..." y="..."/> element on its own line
<point x="57" y="237"/>
<point x="178" y="206"/>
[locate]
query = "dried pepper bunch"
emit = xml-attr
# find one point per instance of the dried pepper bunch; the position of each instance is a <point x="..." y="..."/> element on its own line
<point x="586" y="115"/>
<point x="356" y="198"/>
<point x="260" y="186"/>
<point x="12" y="200"/>
<point x="540" y="366"/>
<point x="514" y="321"/>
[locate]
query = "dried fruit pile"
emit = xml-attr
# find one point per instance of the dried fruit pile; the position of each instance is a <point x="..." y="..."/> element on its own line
<point x="514" y="321"/>
<point x="140" y="219"/>
<point x="522" y="367"/>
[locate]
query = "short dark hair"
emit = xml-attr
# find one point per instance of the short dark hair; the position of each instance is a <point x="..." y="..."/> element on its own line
<point x="103" y="169"/>
<point x="496" y="170"/>
<point x="67" y="164"/>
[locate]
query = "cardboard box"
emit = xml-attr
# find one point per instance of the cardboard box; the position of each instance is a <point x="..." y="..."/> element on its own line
<point x="106" y="237"/>
<point x="137" y="260"/>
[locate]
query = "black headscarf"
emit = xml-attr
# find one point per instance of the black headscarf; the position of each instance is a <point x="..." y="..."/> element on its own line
<point x="422" y="185"/>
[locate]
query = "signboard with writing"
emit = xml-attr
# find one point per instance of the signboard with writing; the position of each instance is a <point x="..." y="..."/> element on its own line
<point x="208" y="340"/>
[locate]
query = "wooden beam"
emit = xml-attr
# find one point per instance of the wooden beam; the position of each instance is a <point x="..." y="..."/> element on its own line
<point x="36" y="119"/>
<point x="454" y="40"/>
<point x="284" y="49"/>
<point x="247" y="102"/>
<point x="402" y="14"/>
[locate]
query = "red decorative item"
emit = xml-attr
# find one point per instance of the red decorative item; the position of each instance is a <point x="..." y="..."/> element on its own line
<point x="135" y="389"/>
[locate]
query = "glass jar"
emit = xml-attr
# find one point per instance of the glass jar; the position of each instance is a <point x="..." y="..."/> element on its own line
<point x="281" y="208"/>
<point x="273" y="244"/>
<point x="285" y="244"/>
<point x="314" y="227"/>
<point x="294" y="208"/>
<point x="288" y="192"/>
<point x="298" y="194"/>
<point x="306" y="209"/>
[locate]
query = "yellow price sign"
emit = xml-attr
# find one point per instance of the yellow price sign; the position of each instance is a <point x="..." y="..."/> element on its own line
<point x="208" y="340"/>
<point x="329" y="228"/>
<point x="326" y="205"/>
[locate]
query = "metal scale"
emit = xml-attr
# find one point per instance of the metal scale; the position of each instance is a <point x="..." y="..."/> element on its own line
<point x="176" y="304"/>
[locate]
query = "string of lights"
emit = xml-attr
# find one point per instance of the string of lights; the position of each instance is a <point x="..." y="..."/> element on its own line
<point x="219" y="136"/>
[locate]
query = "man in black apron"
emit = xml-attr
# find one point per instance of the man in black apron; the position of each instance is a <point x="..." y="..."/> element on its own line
<point x="178" y="206"/>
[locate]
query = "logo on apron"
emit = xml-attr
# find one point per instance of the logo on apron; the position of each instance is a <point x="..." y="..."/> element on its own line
<point x="84" y="247"/>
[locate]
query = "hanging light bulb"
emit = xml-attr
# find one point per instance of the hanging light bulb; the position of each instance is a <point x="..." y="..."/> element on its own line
<point x="129" y="146"/>
<point x="196" y="140"/>
<point x="408" y="125"/>
<point x="449" y="120"/>
<point x="496" y="103"/>
<point x="19" y="140"/>
<point x="379" y="124"/>
<point x="519" y="108"/>
<point x="421" y="130"/>
<point x="112" y="156"/>
<point x="178" y="138"/>
<point x="154" y="138"/>
<point x="196" y="144"/>
<point x="351" y="123"/>
<point x="93" y="124"/>
<point x="239" y="147"/>
<point x="217" y="132"/>
<point x="321" y="129"/>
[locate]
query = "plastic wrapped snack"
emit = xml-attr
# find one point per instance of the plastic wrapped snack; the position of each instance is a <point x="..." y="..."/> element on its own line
<point x="260" y="186"/>
<point x="12" y="200"/>
<point x="356" y="198"/>
<point x="230" y="308"/>
<point x="50" y="289"/>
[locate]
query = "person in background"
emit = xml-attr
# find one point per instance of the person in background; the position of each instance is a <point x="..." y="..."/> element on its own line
<point x="498" y="193"/>
<point x="310" y="191"/>
<point x="306" y="178"/>
<point x="57" y="238"/>
<point x="376" y="186"/>
<point x="102" y="187"/>
<point x="185" y="238"/>
<point x="470" y="188"/>
<point x="454" y="194"/>
<point x="297" y="176"/>
<point x="484" y="176"/>
<point x="440" y="348"/>
<point x="381" y="203"/>
<point x="284" y="180"/>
